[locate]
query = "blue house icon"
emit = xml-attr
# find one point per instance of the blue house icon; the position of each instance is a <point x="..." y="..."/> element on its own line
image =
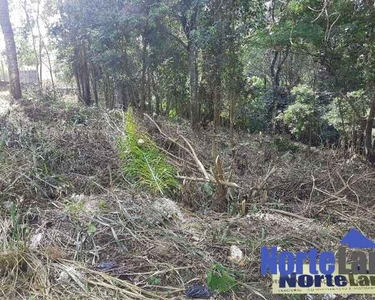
<point x="355" y="239"/>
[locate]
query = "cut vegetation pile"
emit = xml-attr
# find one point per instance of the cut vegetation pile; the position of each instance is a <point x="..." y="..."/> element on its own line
<point x="93" y="208"/>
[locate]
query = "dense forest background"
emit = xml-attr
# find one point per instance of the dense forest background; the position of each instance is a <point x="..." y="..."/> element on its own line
<point x="303" y="68"/>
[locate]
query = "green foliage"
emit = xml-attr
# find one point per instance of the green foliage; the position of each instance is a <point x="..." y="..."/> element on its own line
<point x="253" y="113"/>
<point x="303" y="94"/>
<point x="75" y="207"/>
<point x="285" y="145"/>
<point x="297" y="118"/>
<point x="172" y="114"/>
<point x="302" y="116"/>
<point x="208" y="189"/>
<point x="91" y="228"/>
<point x="79" y="118"/>
<point x="130" y="41"/>
<point x="341" y="114"/>
<point x="219" y="279"/>
<point x="16" y="226"/>
<point x="26" y="56"/>
<point x="143" y="163"/>
<point x="154" y="280"/>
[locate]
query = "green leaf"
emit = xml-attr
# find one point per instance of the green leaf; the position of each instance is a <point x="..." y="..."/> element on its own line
<point x="219" y="279"/>
<point x="91" y="229"/>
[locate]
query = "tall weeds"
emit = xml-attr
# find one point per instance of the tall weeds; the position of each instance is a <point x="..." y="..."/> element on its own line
<point x="143" y="163"/>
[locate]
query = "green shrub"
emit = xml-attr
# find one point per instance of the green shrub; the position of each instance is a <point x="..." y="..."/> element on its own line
<point x="284" y="145"/>
<point x="341" y="115"/>
<point x="143" y="163"/>
<point x="304" y="116"/>
<point x="253" y="113"/>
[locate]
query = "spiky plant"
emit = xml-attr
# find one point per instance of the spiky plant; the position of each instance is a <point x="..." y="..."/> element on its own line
<point x="143" y="163"/>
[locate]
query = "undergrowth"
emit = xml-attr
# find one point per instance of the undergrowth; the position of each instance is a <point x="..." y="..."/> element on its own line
<point x="143" y="163"/>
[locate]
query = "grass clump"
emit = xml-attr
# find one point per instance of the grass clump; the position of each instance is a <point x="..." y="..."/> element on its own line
<point x="143" y="163"/>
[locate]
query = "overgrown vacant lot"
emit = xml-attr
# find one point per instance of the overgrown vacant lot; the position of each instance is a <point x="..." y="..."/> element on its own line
<point x="77" y="222"/>
<point x="186" y="149"/>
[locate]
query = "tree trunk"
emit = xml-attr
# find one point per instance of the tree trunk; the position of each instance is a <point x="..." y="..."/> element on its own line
<point x="28" y="22"/>
<point x="85" y="76"/>
<point x="11" y="51"/>
<point x="354" y="141"/>
<point x="142" y="105"/>
<point x="217" y="102"/>
<point x="369" y="4"/>
<point x="94" y="72"/>
<point x="217" y="57"/>
<point x="145" y="42"/>
<point x="275" y="88"/>
<point x="106" y="90"/>
<point x="77" y="78"/>
<point x="231" y="122"/>
<point x="190" y="25"/>
<point x="368" y="132"/>
<point x="193" y="71"/>
<point x="40" y="45"/>
<point x="275" y="76"/>
<point x="118" y="92"/>
<point x="95" y="90"/>
<point x="157" y="96"/>
<point x="149" y="92"/>
<point x="125" y="98"/>
<point x="361" y="137"/>
<point x="49" y="66"/>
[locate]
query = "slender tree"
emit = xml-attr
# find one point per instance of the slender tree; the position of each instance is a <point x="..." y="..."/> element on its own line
<point x="14" y="77"/>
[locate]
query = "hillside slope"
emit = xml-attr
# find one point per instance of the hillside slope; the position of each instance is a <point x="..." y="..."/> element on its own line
<point x="74" y="227"/>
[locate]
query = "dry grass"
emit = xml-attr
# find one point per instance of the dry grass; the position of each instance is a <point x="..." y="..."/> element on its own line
<point x="75" y="210"/>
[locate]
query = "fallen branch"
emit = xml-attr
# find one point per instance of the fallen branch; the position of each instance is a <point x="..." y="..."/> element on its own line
<point x="166" y="136"/>
<point x="226" y="183"/>
<point x="197" y="161"/>
<point x="190" y="150"/>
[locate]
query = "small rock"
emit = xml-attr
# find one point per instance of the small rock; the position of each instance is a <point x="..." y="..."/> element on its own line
<point x="35" y="240"/>
<point x="167" y="209"/>
<point x="64" y="277"/>
<point x="198" y="291"/>
<point x="236" y="254"/>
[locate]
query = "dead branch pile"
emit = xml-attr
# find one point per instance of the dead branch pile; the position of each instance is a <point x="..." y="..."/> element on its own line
<point x="319" y="183"/>
<point x="51" y="152"/>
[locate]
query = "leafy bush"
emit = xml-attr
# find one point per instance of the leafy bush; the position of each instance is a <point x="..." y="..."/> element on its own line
<point x="297" y="117"/>
<point x="303" y="116"/>
<point x="341" y="114"/>
<point x="253" y="115"/>
<point x="143" y="163"/>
